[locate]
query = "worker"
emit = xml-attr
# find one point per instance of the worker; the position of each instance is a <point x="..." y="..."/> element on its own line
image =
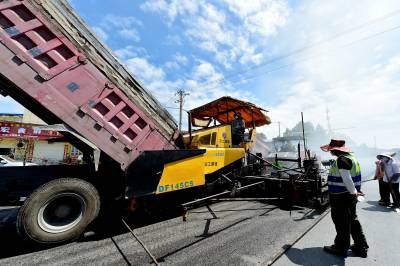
<point x="379" y="174"/>
<point x="344" y="186"/>
<point x="391" y="178"/>
<point x="238" y="127"/>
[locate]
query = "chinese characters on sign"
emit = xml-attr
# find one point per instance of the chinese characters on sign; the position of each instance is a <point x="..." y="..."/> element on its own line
<point x="5" y="130"/>
<point x="36" y="131"/>
<point x="11" y="130"/>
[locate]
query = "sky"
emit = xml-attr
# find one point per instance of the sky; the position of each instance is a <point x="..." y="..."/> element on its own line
<point x="286" y="56"/>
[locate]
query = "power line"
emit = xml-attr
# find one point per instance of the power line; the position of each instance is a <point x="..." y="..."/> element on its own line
<point x="168" y="101"/>
<point x="170" y="107"/>
<point x="304" y="59"/>
<point x="163" y="94"/>
<point x="302" y="49"/>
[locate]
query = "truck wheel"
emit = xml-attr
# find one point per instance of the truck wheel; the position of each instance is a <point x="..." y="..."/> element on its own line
<point x="58" y="211"/>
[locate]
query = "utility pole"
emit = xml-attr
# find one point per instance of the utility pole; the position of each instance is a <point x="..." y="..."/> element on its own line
<point x="279" y="128"/>
<point x="181" y="94"/>
<point x="328" y="119"/>
<point x="304" y="136"/>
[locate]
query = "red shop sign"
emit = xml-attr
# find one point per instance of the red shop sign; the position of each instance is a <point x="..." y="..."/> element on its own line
<point x="22" y="130"/>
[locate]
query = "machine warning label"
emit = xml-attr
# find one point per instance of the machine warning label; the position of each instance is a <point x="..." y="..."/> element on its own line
<point x="217" y="154"/>
<point x="172" y="187"/>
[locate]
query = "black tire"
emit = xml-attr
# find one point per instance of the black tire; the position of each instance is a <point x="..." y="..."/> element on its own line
<point x="58" y="211"/>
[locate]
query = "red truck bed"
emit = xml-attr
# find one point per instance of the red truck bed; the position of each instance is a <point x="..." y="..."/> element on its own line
<point x="55" y="62"/>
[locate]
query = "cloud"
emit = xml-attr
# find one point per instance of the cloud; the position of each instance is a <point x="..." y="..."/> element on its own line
<point x="213" y="31"/>
<point x="357" y="80"/>
<point x="173" y="40"/>
<point x="177" y="61"/>
<point x="155" y="80"/>
<point x="129" y="34"/>
<point x="126" y="52"/>
<point x="101" y="33"/>
<point x="164" y="89"/>
<point x="124" y="26"/>
<point x="172" y="65"/>
<point x="131" y="51"/>
<point x="181" y="59"/>
<point x="232" y="31"/>
<point x="173" y="8"/>
<point x="203" y="90"/>
<point x="262" y="17"/>
<point x="204" y="72"/>
<point x="124" y="22"/>
<point x="143" y="69"/>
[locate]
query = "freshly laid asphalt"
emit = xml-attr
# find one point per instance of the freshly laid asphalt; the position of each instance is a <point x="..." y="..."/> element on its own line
<point x="224" y="233"/>
<point x="381" y="227"/>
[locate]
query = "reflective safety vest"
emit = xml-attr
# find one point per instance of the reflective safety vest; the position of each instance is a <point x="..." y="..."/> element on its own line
<point x="335" y="180"/>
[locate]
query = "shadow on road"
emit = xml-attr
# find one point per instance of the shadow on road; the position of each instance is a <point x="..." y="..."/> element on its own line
<point x="375" y="207"/>
<point x="106" y="227"/>
<point x="313" y="256"/>
<point x="201" y="237"/>
<point x="310" y="215"/>
<point x="12" y="245"/>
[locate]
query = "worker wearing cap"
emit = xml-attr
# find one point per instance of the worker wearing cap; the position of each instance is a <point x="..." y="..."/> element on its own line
<point x="391" y="179"/>
<point x="238" y="126"/>
<point x="344" y="186"/>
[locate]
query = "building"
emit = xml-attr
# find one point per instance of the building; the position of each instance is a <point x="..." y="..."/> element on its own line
<point x="29" y="117"/>
<point x="22" y="138"/>
<point x="11" y="117"/>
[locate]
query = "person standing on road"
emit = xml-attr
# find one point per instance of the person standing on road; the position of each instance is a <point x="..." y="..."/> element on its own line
<point x="383" y="188"/>
<point x="391" y="178"/>
<point x="344" y="186"/>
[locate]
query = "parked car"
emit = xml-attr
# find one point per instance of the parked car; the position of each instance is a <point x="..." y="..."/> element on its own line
<point x="7" y="161"/>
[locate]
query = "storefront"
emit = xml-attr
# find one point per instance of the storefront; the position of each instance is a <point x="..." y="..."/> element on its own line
<point x="27" y="141"/>
<point x="7" y="146"/>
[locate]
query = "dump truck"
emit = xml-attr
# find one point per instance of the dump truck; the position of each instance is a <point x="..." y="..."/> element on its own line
<point x="52" y="63"/>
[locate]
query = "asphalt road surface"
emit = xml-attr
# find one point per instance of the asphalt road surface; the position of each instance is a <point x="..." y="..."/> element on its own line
<point x="381" y="228"/>
<point x="223" y="233"/>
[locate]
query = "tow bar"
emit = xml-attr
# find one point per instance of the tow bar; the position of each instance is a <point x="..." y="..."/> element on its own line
<point x="141" y="243"/>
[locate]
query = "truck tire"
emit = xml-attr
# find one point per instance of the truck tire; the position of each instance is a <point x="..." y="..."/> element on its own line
<point x="58" y="211"/>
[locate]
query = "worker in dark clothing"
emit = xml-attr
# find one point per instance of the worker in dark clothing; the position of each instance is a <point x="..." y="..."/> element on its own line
<point x="344" y="185"/>
<point x="238" y="126"/>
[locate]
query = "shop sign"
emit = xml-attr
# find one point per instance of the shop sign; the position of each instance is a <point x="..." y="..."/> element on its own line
<point x="15" y="130"/>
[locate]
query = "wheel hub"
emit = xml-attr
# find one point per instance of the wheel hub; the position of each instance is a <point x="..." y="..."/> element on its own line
<point x="61" y="213"/>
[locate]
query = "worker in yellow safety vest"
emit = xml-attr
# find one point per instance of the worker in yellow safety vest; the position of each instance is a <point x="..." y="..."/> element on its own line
<point x="344" y="186"/>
